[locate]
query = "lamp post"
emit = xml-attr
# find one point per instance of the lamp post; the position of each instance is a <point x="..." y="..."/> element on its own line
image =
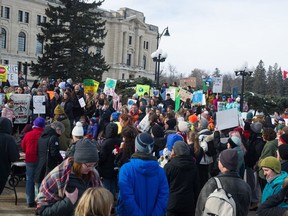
<point x="25" y="69"/>
<point x="158" y="57"/>
<point x="242" y="73"/>
<point x="165" y="32"/>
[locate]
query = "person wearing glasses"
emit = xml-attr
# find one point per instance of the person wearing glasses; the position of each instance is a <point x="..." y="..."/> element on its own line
<point x="62" y="188"/>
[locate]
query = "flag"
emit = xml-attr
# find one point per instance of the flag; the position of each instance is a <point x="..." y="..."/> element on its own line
<point x="285" y="74"/>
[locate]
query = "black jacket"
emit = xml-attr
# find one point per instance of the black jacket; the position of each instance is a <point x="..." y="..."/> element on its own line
<point x="233" y="184"/>
<point x="106" y="157"/>
<point x="49" y="138"/>
<point x="183" y="180"/>
<point x="8" y="150"/>
<point x="68" y="109"/>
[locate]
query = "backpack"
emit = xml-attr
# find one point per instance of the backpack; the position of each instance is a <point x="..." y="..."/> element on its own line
<point x="219" y="203"/>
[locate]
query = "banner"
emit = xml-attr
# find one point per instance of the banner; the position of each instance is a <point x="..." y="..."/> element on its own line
<point x="3" y="73"/>
<point x="13" y="75"/>
<point x="141" y="89"/>
<point x="110" y="86"/>
<point x="197" y="97"/>
<point x="217" y="85"/>
<point x="227" y="119"/>
<point x="90" y="85"/>
<point x="21" y="107"/>
<point x="184" y="95"/>
<point x="191" y="81"/>
<point x="39" y="104"/>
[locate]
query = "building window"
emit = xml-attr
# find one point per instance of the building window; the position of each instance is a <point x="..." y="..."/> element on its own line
<point x="26" y="17"/>
<point x="19" y="66"/>
<point x="130" y="40"/>
<point x="38" y="19"/>
<point x="44" y="19"/>
<point x="20" y="16"/>
<point x="147" y="45"/>
<point x="144" y="62"/>
<point x="5" y="12"/>
<point x="4" y="38"/>
<point x="6" y="62"/>
<point x="123" y="76"/>
<point x="21" y="42"/>
<point x="129" y="59"/>
<point x="39" y="47"/>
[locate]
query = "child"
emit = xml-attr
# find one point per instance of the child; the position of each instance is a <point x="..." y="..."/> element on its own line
<point x="84" y="123"/>
<point x="92" y="129"/>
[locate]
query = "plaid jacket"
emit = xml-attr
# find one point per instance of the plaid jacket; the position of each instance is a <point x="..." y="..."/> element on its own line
<point x="53" y="186"/>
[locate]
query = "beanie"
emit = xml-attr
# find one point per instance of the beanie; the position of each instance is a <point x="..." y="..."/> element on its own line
<point x="272" y="163"/>
<point x="85" y="152"/>
<point x="58" y="110"/>
<point x="234" y="141"/>
<point x="193" y="118"/>
<point x="144" y="143"/>
<point x="249" y="115"/>
<point x="78" y="130"/>
<point x="229" y="159"/>
<point x="115" y="116"/>
<point x="39" y="123"/>
<point x="283" y="151"/>
<point x="204" y="123"/>
<point x="171" y="139"/>
<point x="171" y="123"/>
<point x="183" y="126"/>
<point x="62" y="85"/>
<point x="157" y="131"/>
<point x="284" y="138"/>
<point x="181" y="148"/>
<point x="256" y="127"/>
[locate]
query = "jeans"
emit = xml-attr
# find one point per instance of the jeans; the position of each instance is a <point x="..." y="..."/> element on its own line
<point x="30" y="191"/>
<point x="110" y="184"/>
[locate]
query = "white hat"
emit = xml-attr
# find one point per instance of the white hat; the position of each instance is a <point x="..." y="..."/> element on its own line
<point x="78" y="130"/>
<point x="184" y="126"/>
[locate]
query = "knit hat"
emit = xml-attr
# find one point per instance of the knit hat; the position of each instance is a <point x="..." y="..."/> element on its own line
<point x="85" y="152"/>
<point x="157" y="131"/>
<point x="204" y="123"/>
<point x="181" y="148"/>
<point x="272" y="163"/>
<point x="284" y="138"/>
<point x="183" y="126"/>
<point x="39" y="123"/>
<point x="62" y="85"/>
<point x="115" y="116"/>
<point x="193" y="118"/>
<point x="58" y="110"/>
<point x="144" y="143"/>
<point x="171" y="123"/>
<point x="171" y="139"/>
<point x="283" y="151"/>
<point x="249" y="115"/>
<point x="78" y="130"/>
<point x="256" y="127"/>
<point x="229" y="159"/>
<point x="234" y="141"/>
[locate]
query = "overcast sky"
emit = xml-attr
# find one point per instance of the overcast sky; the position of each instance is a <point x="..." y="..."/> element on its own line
<point x="226" y="34"/>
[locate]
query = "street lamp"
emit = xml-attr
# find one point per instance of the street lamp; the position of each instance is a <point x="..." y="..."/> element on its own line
<point x="158" y="57"/>
<point x="165" y="32"/>
<point x="25" y="69"/>
<point x="242" y="73"/>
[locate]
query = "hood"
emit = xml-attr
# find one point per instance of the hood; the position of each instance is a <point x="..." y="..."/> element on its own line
<point x="171" y="139"/>
<point x="185" y="162"/>
<point x="48" y="131"/>
<point x="5" y="125"/>
<point x="111" y="130"/>
<point x="145" y="167"/>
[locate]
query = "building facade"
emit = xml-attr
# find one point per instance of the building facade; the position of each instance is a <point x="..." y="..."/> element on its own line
<point x="128" y="44"/>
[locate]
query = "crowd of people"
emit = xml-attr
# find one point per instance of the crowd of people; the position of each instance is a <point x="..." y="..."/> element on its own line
<point x="81" y="160"/>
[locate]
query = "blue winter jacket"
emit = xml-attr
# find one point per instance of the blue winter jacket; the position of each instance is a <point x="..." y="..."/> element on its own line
<point x="143" y="188"/>
<point x="274" y="187"/>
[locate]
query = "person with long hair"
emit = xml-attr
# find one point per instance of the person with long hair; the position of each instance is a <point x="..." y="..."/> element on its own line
<point x="63" y="186"/>
<point x="95" y="202"/>
<point x="67" y="104"/>
<point x="125" y="119"/>
<point x="90" y="107"/>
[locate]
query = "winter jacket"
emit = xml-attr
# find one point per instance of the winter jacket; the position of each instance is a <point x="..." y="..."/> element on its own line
<point x="143" y="187"/>
<point x="8" y="149"/>
<point x="51" y="199"/>
<point x="183" y="180"/>
<point x="30" y="144"/>
<point x="8" y="113"/>
<point x="48" y="138"/>
<point x="254" y="147"/>
<point x="64" y="139"/>
<point x="68" y="109"/>
<point x="233" y="184"/>
<point x="273" y="187"/>
<point x="106" y="157"/>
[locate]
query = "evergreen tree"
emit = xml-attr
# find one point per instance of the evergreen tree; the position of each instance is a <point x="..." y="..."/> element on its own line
<point x="271" y="80"/>
<point x="259" y="84"/>
<point x="73" y="38"/>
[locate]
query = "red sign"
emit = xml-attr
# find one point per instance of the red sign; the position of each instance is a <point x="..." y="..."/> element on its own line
<point x="2" y="70"/>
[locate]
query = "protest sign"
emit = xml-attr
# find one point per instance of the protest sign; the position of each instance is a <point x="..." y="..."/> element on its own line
<point x="227" y="119"/>
<point x="184" y="95"/>
<point x="141" y="89"/>
<point x="21" y="107"/>
<point x="154" y="92"/>
<point x="197" y="97"/>
<point x="90" y="85"/>
<point x="144" y="125"/>
<point x="130" y="102"/>
<point x="3" y="73"/>
<point x="39" y="104"/>
<point x="82" y="102"/>
<point x="13" y="75"/>
<point x="191" y="81"/>
<point x="217" y="84"/>
<point x="172" y="91"/>
<point x="221" y="106"/>
<point x="110" y="86"/>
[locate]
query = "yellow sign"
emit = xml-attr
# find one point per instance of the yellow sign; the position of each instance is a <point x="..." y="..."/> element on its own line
<point x="90" y="86"/>
<point x="3" y="73"/>
<point x="141" y="89"/>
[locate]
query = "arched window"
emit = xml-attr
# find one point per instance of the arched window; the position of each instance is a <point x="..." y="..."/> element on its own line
<point x="4" y="38"/>
<point x="22" y="42"/>
<point x="39" y="47"/>
<point x="144" y="62"/>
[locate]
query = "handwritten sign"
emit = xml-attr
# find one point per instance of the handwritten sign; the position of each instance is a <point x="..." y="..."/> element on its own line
<point x="21" y="107"/>
<point x="13" y="75"/>
<point x="39" y="104"/>
<point x="184" y="95"/>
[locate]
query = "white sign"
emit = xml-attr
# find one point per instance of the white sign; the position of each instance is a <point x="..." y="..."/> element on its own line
<point x="13" y="75"/>
<point x="82" y="102"/>
<point x="184" y="95"/>
<point x="144" y="125"/>
<point x="39" y="104"/>
<point x="227" y="119"/>
<point x="217" y="84"/>
<point x="21" y="107"/>
<point x="130" y="103"/>
<point x="171" y="91"/>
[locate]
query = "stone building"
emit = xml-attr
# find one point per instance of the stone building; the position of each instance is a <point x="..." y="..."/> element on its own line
<point x="128" y="44"/>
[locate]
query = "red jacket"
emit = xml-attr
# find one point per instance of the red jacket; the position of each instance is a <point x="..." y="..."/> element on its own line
<point x="30" y="144"/>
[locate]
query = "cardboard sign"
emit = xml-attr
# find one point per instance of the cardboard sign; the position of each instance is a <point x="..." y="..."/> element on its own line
<point x="184" y="95"/>
<point x="227" y="119"/>
<point x="38" y="104"/>
<point x="191" y="81"/>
